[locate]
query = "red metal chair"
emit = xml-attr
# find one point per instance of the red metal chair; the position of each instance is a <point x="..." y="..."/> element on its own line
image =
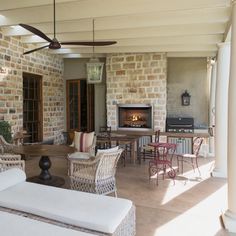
<point x="162" y="161"/>
<point x="192" y="158"/>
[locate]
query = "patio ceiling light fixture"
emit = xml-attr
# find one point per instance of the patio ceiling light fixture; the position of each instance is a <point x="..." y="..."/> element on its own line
<point x="94" y="68"/>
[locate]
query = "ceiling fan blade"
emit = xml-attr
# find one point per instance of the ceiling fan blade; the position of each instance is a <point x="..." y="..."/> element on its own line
<point x="36" y="32"/>
<point x="34" y="50"/>
<point x="90" y="43"/>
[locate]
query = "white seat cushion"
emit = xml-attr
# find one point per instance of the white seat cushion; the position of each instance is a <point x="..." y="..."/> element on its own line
<point x="108" y="150"/>
<point x="26" y="227"/>
<point x="189" y="155"/>
<point x="91" y="211"/>
<point x="79" y="155"/>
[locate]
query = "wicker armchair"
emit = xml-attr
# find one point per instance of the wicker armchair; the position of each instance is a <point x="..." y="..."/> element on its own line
<point x="5" y="147"/>
<point x="8" y="161"/>
<point x="96" y="175"/>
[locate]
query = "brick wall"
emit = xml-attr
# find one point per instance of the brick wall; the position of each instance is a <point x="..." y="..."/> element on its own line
<point x="12" y="65"/>
<point x="137" y="78"/>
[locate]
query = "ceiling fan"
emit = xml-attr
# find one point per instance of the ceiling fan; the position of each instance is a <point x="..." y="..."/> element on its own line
<point x="54" y="43"/>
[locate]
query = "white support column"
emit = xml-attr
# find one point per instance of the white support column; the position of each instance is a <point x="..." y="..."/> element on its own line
<point x="221" y="116"/>
<point x="212" y="106"/>
<point x="229" y="217"/>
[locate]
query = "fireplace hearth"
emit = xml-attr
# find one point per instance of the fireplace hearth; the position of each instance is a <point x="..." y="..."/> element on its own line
<point x="134" y="116"/>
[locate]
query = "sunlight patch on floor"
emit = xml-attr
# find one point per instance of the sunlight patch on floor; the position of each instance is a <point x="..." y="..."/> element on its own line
<point x="202" y="219"/>
<point x="186" y="181"/>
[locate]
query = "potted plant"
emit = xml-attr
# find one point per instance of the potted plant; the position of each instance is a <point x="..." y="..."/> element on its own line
<point x="5" y="130"/>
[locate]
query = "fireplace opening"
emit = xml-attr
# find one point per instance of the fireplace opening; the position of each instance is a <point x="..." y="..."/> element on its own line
<point x="135" y="116"/>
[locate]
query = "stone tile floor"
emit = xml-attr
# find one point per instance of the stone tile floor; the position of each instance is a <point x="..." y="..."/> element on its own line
<point x="190" y="205"/>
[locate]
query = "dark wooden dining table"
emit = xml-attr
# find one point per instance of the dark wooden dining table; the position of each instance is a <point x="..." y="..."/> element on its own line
<point x="132" y="140"/>
<point x="45" y="152"/>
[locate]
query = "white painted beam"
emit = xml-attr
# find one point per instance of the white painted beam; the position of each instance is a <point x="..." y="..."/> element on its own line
<point x="9" y="5"/>
<point x="84" y="55"/>
<point x="162" y="19"/>
<point x="161" y="48"/>
<point x="162" y="31"/>
<point x="103" y="8"/>
<point x="191" y="54"/>
<point x="178" y="40"/>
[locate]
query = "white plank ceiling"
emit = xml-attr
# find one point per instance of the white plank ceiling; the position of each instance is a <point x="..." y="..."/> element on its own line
<point x="178" y="27"/>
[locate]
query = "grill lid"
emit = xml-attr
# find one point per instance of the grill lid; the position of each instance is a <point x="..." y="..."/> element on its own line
<point x="180" y="122"/>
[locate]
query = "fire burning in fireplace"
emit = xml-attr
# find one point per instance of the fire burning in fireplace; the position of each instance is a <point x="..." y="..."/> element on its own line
<point x="135" y="116"/>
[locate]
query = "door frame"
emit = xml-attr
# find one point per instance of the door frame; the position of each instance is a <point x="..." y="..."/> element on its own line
<point x="40" y="107"/>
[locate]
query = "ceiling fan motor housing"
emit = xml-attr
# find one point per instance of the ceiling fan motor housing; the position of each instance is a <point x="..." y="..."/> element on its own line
<point x="54" y="44"/>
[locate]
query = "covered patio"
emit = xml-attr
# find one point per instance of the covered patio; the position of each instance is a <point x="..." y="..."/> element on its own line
<point x="159" y="54"/>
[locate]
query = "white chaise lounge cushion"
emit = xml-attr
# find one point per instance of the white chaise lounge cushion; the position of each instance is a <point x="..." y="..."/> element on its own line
<point x="86" y="210"/>
<point x="14" y="225"/>
<point x="11" y="177"/>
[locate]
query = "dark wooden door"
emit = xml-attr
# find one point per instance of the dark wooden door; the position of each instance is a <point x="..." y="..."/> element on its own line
<point x="80" y="105"/>
<point x="32" y="106"/>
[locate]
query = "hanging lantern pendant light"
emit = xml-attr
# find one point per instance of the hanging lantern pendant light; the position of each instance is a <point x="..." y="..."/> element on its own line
<point x="94" y="67"/>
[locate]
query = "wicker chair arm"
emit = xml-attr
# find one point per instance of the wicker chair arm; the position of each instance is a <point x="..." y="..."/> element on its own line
<point x="5" y="165"/>
<point x="10" y="157"/>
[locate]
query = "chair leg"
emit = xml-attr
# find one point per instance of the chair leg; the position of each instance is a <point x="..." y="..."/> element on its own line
<point x="115" y="193"/>
<point x="193" y="166"/>
<point x="197" y="167"/>
<point x="152" y="171"/>
<point x="182" y="165"/>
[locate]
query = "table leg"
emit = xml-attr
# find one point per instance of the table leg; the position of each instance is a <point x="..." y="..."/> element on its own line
<point x="45" y="165"/>
<point x="132" y="152"/>
<point x="45" y="177"/>
<point x="138" y="151"/>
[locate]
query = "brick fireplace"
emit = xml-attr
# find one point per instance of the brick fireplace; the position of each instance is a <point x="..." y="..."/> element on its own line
<point x="137" y="78"/>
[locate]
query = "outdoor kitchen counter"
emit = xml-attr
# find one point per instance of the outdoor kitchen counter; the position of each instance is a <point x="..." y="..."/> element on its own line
<point x="140" y="140"/>
<point x="185" y="135"/>
<point x="167" y="134"/>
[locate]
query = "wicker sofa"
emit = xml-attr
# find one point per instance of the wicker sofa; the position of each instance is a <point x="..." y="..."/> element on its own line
<point x="14" y="225"/>
<point x="96" y="214"/>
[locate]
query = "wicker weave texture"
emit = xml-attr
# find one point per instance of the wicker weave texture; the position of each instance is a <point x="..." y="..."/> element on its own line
<point x="5" y="147"/>
<point x="8" y="161"/>
<point x="95" y="176"/>
<point x="127" y="226"/>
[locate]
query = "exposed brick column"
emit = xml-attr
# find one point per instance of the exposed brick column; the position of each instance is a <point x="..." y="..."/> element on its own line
<point x="137" y="78"/>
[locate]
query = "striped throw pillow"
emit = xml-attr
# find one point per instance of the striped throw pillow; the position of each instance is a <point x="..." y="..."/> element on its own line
<point x="83" y="141"/>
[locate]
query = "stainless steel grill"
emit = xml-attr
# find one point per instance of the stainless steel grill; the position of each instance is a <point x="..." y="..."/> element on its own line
<point x="180" y="125"/>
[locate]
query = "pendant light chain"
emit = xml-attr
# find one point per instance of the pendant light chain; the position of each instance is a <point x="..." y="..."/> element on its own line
<point x="54" y="17"/>
<point x="93" y="37"/>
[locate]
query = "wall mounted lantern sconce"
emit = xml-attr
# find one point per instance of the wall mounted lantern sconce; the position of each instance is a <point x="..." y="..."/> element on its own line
<point x="185" y="98"/>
